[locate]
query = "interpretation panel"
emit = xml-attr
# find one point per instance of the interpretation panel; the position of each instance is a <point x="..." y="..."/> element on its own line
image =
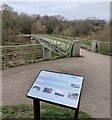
<point x="63" y="89"/>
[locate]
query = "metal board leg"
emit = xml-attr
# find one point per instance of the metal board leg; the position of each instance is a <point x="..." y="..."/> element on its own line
<point x="77" y="112"/>
<point x="36" y="105"/>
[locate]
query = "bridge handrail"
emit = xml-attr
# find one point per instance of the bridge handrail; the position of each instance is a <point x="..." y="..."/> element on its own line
<point x="52" y="46"/>
<point x="53" y="37"/>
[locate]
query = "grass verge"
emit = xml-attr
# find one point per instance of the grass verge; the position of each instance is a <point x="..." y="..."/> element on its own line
<point x="48" y="112"/>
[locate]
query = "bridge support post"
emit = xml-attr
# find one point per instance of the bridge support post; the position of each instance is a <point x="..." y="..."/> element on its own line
<point x="47" y="54"/>
<point x="33" y="41"/>
<point x="76" y="49"/>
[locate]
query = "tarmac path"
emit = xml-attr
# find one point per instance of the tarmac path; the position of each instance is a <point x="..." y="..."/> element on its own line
<point x="94" y="67"/>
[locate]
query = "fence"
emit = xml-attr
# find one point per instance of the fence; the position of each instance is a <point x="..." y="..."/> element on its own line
<point x="102" y="46"/>
<point x="105" y="48"/>
<point x="86" y="44"/>
<point x="21" y="54"/>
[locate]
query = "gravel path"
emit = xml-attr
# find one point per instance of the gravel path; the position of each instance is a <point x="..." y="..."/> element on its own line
<point x="94" y="67"/>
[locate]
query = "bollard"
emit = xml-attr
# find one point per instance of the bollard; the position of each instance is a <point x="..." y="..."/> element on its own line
<point x="76" y="49"/>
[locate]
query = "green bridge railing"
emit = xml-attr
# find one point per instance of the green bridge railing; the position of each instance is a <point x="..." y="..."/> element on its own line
<point x="63" y="46"/>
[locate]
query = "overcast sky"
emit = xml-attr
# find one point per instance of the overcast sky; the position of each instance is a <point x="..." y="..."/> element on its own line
<point x="70" y="10"/>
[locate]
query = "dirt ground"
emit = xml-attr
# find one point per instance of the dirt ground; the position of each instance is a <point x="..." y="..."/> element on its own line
<point x="94" y="67"/>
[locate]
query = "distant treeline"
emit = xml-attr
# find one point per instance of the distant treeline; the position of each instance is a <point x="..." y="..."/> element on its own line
<point x="15" y="23"/>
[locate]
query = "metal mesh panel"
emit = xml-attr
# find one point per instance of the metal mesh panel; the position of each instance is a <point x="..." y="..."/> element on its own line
<point x="21" y="54"/>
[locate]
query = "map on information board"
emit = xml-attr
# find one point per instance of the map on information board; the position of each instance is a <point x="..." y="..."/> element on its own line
<point x="58" y="88"/>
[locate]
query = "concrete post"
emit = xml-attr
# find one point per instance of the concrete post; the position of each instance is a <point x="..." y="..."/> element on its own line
<point x="47" y="54"/>
<point x="76" y="48"/>
<point x="33" y="41"/>
<point x="94" y="46"/>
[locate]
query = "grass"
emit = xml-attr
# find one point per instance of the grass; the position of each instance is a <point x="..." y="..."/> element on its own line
<point x="48" y="112"/>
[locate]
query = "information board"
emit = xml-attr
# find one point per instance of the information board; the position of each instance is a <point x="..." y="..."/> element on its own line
<point x="63" y="89"/>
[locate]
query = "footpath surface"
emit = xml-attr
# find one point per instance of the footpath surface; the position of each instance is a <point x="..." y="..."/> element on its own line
<point x="94" y="67"/>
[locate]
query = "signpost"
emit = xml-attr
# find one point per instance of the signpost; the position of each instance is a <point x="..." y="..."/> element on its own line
<point x="56" y="88"/>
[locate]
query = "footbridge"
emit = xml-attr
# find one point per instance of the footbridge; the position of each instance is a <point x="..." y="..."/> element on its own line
<point x="62" y="46"/>
<point x="58" y="45"/>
